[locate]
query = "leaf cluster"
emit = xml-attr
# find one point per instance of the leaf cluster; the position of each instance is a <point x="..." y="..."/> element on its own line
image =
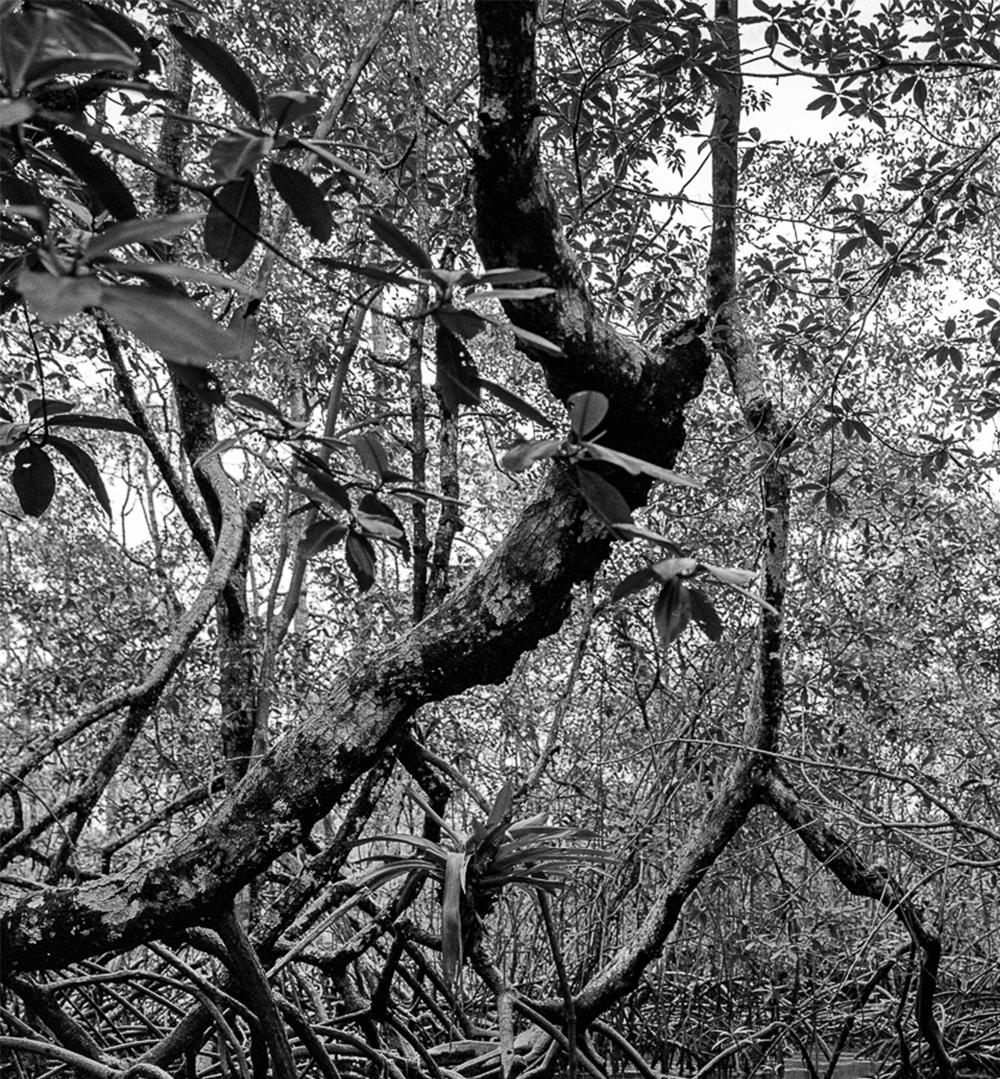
<point x="530" y="854"/>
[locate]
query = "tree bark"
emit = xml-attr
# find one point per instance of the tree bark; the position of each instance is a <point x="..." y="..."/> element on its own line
<point x="520" y="595"/>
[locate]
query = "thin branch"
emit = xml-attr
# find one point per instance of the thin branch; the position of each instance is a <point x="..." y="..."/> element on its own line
<point x="190" y="798"/>
<point x="870" y="882"/>
<point x="83" y="1064"/>
<point x="41" y="1000"/>
<point x="141" y="698"/>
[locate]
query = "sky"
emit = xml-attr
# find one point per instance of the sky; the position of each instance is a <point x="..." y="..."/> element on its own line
<point x="787" y="117"/>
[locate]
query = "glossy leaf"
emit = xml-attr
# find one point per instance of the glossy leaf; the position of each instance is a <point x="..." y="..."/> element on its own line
<point x="434" y="851"/>
<point x="320" y="536"/>
<point x="325" y="483"/>
<point x="43" y="42"/>
<point x="305" y="200"/>
<point x="22" y="36"/>
<point x="502" y="805"/>
<point x="638" y="532"/>
<point x="376" y="273"/>
<point x="457" y="378"/>
<point x="372" y="453"/>
<point x="536" y="341"/>
<point x="634" y="582"/>
<point x="511" y="294"/>
<point x="238" y="152"/>
<point x="102" y="137"/>
<point x="97" y="423"/>
<point x="672" y="611"/>
<point x="522" y="455"/>
<point x="451" y="914"/>
<point x="586" y="412"/>
<point x="398" y="867"/>
<point x="98" y="17"/>
<point x="85" y="467"/>
<point x="463" y="322"/>
<point x="256" y="404"/>
<point x="518" y="404"/>
<point x="139" y="231"/>
<point x="34" y="479"/>
<point x="511" y="276"/>
<point x="407" y="249"/>
<point x="103" y="184"/>
<point x="308" y="459"/>
<point x="675" y="567"/>
<point x="47" y="407"/>
<point x="704" y="613"/>
<point x="175" y="271"/>
<point x="54" y="299"/>
<point x="378" y="526"/>
<point x="361" y="560"/>
<point x="447" y="280"/>
<point x="727" y="575"/>
<point x="603" y="498"/>
<point x="222" y="66"/>
<point x="637" y="466"/>
<point x="373" y="509"/>
<point x="288" y="106"/>
<point x="173" y="325"/>
<point x="233" y="223"/>
<point x="11" y="434"/>
<point x="15" y="111"/>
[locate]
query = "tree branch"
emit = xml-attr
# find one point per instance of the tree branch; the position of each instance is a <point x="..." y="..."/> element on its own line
<point x="517" y="224"/>
<point x="137" y="414"/>
<point x="520" y="595"/>
<point x="249" y="975"/>
<point x="838" y="856"/>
